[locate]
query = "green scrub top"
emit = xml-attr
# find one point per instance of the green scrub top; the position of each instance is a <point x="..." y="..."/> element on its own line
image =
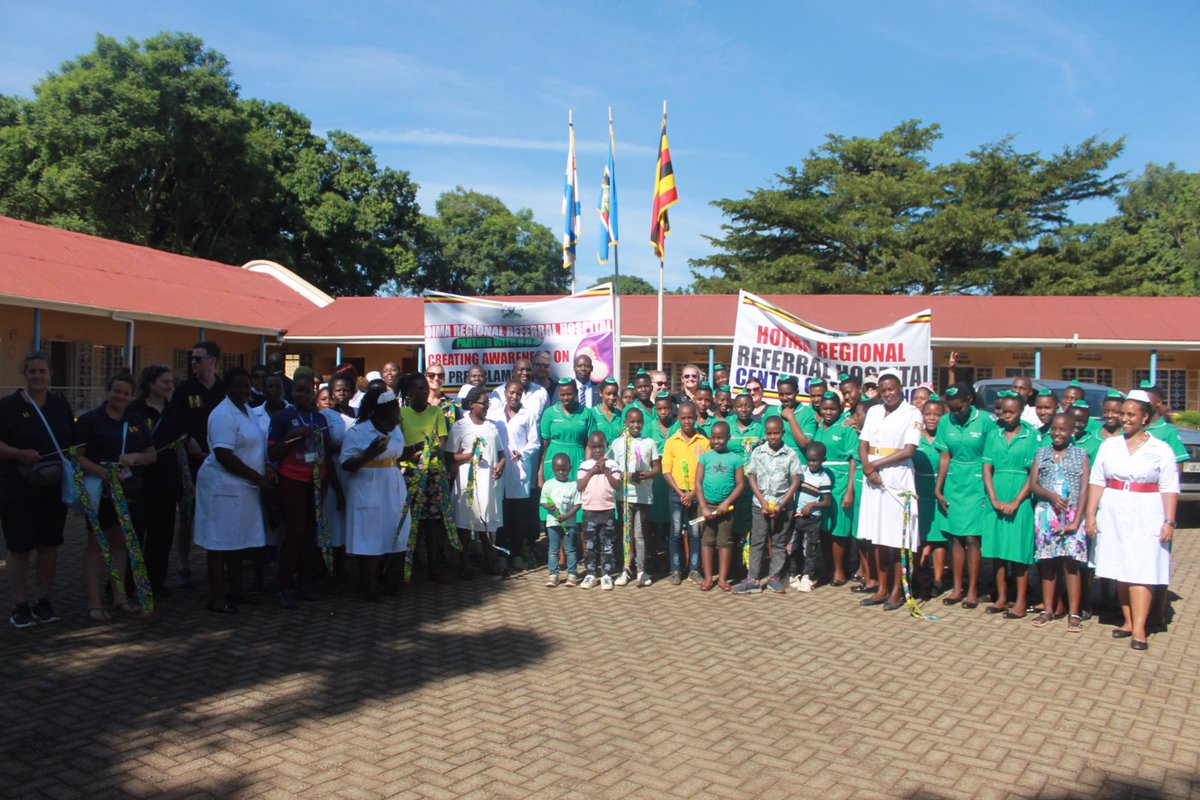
<point x="969" y="512"/>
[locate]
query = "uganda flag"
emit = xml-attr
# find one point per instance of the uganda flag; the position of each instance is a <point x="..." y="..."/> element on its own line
<point x="665" y="195"/>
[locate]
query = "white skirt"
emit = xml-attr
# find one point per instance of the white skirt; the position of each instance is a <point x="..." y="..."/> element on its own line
<point x="881" y="509"/>
<point x="228" y="511"/>
<point x="1128" y="525"/>
<point x="375" y="500"/>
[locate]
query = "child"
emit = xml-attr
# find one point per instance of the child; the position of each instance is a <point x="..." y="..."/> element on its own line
<point x="476" y="449"/>
<point x="628" y="396"/>
<point x="596" y="479"/>
<point x="723" y="400"/>
<point x="812" y="500"/>
<point x="638" y="460"/>
<point x="721" y="480"/>
<point x="659" y="425"/>
<point x="773" y="472"/>
<point x="704" y="400"/>
<point x="561" y="499"/>
<point x="681" y="454"/>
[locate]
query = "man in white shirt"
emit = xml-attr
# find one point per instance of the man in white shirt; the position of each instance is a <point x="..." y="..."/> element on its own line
<point x="1024" y="387"/>
<point x="535" y="398"/>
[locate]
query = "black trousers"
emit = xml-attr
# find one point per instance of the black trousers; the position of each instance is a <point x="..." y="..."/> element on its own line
<point x="153" y="518"/>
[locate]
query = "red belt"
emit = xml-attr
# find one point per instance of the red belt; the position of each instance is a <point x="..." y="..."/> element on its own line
<point x="1131" y="486"/>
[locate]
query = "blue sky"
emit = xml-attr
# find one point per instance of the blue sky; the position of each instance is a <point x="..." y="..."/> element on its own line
<point x="477" y="94"/>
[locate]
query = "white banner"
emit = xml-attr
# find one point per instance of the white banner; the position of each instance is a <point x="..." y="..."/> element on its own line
<point x="769" y="342"/>
<point x="461" y="332"/>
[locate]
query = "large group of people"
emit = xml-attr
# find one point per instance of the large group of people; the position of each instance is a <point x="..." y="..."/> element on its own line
<point x="607" y="485"/>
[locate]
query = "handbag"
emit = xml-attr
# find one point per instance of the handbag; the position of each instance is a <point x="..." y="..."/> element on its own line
<point x="42" y="473"/>
<point x="70" y="493"/>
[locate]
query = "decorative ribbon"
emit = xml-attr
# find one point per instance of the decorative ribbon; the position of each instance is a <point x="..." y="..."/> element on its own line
<point x="324" y="538"/>
<point x="141" y="581"/>
<point x="627" y="534"/>
<point x="429" y="464"/>
<point x="473" y="470"/>
<point x="92" y="515"/>
<point x="906" y="499"/>
<point x="187" y="494"/>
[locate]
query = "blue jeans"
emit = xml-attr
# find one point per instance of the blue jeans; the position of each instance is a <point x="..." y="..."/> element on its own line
<point x="566" y="537"/>
<point x="679" y="527"/>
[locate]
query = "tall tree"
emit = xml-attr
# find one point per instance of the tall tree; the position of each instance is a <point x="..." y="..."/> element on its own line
<point x="873" y="216"/>
<point x="150" y="143"/>
<point x="477" y="246"/>
<point x="630" y="284"/>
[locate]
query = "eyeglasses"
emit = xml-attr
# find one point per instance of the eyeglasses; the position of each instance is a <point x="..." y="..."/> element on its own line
<point x="439" y="375"/>
<point x="542" y="364"/>
<point x="690" y="376"/>
<point x="755" y="390"/>
<point x="660" y="383"/>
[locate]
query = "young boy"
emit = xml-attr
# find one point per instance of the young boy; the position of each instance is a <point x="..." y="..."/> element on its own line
<point x="561" y="499"/>
<point x="639" y="462"/>
<point x="597" y="479"/>
<point x="721" y="480"/>
<point x="681" y="455"/>
<point x="813" y="499"/>
<point x="773" y="473"/>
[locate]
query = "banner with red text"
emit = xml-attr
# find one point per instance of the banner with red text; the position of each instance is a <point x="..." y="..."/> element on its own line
<point x="769" y="342"/>
<point x="492" y="333"/>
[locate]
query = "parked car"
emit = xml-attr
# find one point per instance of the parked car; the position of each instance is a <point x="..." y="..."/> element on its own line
<point x="1094" y="394"/>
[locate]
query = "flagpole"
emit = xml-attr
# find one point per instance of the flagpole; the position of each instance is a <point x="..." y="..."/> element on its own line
<point x="616" y="272"/>
<point x="571" y="211"/>
<point x="662" y="268"/>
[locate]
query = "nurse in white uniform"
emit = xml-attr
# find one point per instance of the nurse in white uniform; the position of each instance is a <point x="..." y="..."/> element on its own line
<point x="229" y="515"/>
<point x="888" y="508"/>
<point x="376" y="523"/>
<point x="477" y="456"/>
<point x="1131" y="514"/>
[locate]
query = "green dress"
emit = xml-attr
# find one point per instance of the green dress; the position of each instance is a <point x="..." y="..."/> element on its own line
<point x="841" y="447"/>
<point x="1089" y="442"/>
<point x="1160" y="430"/>
<point x="564" y="433"/>
<point x="1011" y="537"/>
<point x="648" y="415"/>
<point x="970" y="513"/>
<point x="611" y="428"/>
<point x="931" y="519"/>
<point x="659" y="509"/>
<point x="805" y="419"/>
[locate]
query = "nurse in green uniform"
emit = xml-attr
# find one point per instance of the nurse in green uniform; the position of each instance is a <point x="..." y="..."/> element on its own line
<point x="1045" y="406"/>
<point x="799" y="421"/>
<point x="606" y="417"/>
<point x="961" y="434"/>
<point x="1084" y="438"/>
<point x="1007" y="457"/>
<point x="643" y="397"/>
<point x="930" y="516"/>
<point x="565" y="428"/>
<point x="841" y="448"/>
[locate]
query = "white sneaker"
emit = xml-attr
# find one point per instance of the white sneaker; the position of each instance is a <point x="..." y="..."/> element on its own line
<point x="606" y="583"/>
<point x="552" y="581"/>
<point x="588" y="582"/>
<point x="644" y="580"/>
<point x="794" y="582"/>
<point x="622" y="579"/>
<point x="806" y="584"/>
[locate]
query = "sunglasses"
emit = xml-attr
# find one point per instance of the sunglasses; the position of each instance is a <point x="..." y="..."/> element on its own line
<point x="438" y="375"/>
<point x="691" y="377"/>
<point x="660" y="383"/>
<point x="200" y="358"/>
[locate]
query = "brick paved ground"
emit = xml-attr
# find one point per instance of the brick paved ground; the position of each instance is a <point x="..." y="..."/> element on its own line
<point x="507" y="689"/>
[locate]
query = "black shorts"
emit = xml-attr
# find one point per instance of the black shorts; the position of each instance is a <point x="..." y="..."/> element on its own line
<point x="31" y="516"/>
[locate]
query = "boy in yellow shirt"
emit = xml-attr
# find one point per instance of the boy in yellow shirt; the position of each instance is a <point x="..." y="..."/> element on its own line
<point x="681" y="454"/>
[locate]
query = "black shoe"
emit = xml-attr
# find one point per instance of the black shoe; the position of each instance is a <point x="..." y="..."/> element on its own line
<point x="1136" y="645"/>
<point x="890" y="606"/>
<point x="1120" y="634"/>
<point x="862" y="588"/>
<point x="871" y="601"/>
<point x="994" y="610"/>
<point x="22" y="616"/>
<point x="43" y="611"/>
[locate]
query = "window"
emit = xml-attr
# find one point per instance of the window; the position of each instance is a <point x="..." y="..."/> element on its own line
<point x="1173" y="383"/>
<point x="983" y="373"/>
<point x="632" y="367"/>
<point x="1018" y="372"/>
<point x="1100" y="375"/>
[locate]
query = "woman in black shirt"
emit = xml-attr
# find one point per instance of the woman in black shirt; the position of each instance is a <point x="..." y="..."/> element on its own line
<point x="111" y="434"/>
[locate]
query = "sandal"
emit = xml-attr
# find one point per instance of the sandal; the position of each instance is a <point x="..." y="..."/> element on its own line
<point x="1074" y="623"/>
<point x="127" y="608"/>
<point x="1042" y="619"/>
<point x="98" y="614"/>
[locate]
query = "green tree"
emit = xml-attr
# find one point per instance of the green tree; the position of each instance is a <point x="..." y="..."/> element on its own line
<point x="477" y="246"/>
<point x="150" y="143"/>
<point x="630" y="284"/>
<point x="873" y="216"/>
<point x="1150" y="247"/>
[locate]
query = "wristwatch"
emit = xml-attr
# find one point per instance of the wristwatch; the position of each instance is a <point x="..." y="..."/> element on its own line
<point x="1170" y="522"/>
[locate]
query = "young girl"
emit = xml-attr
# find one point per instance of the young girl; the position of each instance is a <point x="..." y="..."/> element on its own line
<point x="744" y="435"/>
<point x="606" y="417"/>
<point x="561" y="501"/>
<point x="376" y="523"/>
<point x="628" y="396"/>
<point x="474" y="447"/>
<point x="661" y="424"/>
<point x="637" y="458"/>
<point x="1058" y="480"/>
<point x="597" y="479"/>
<point x="926" y="462"/>
<point x="704" y="402"/>
<point x="720" y="477"/>
<point x="723" y="401"/>
<point x="1007" y="457"/>
<point x="841" y="450"/>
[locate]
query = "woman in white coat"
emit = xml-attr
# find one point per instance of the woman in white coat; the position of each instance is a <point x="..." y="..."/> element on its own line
<point x="518" y="427"/>
<point x="376" y="523"/>
<point x="1131" y="514"/>
<point x="229" y="515"/>
<point x="475" y="452"/>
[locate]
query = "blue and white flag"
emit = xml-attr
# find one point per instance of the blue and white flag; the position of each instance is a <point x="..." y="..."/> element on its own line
<point x="571" y="204"/>
<point x="608" y="202"/>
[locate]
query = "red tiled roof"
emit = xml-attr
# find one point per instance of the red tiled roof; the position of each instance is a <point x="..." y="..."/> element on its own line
<point x="40" y="264"/>
<point x="958" y="317"/>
